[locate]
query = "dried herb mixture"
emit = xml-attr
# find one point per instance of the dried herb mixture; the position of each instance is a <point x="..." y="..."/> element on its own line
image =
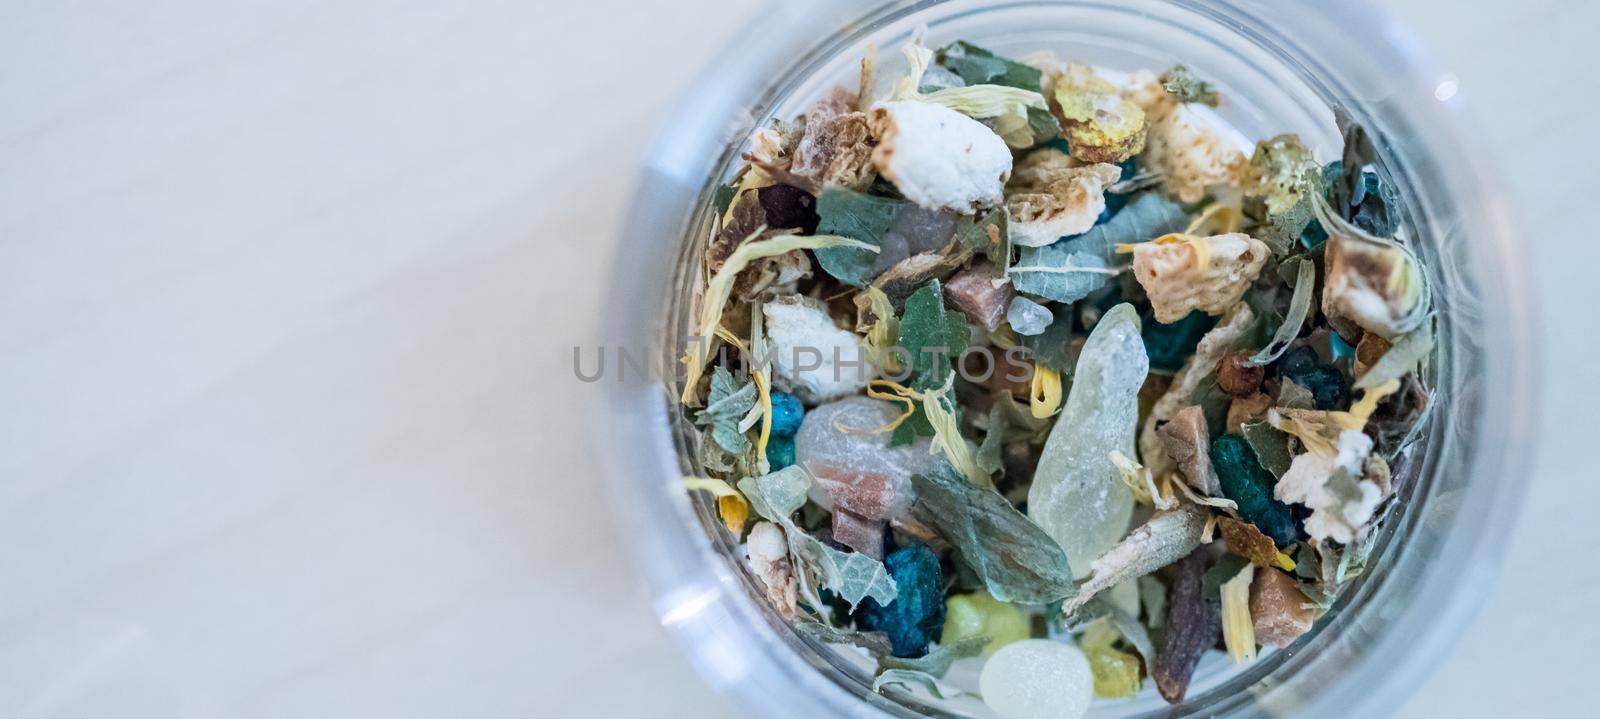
<point x="1022" y="366"/>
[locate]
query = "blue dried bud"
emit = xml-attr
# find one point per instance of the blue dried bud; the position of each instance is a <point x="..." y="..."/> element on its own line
<point x="916" y="616"/>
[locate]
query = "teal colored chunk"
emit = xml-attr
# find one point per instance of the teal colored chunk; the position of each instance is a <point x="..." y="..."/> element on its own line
<point x="786" y="414"/>
<point x="1249" y="484"/>
<point x="916" y="616"/>
<point x="1170" y="345"/>
<point x="780" y="452"/>
<point x="1330" y="389"/>
<point x="1314" y="235"/>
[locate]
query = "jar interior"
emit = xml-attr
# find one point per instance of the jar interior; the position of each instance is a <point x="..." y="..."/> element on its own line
<point x="1271" y="87"/>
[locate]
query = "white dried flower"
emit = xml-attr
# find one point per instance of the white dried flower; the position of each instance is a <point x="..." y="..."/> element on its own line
<point x="768" y="552"/>
<point x="1186" y="145"/>
<point x="1190" y="155"/>
<point x="1329" y="484"/>
<point x="810" y="354"/>
<point x="939" y="158"/>
<point x="1210" y="274"/>
<point x="1051" y="196"/>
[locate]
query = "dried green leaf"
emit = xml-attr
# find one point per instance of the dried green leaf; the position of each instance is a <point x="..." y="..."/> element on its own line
<point x="1060" y="277"/>
<point x="859" y="216"/>
<point x="1009" y="107"/>
<point x="931" y="332"/>
<point x="853" y="576"/>
<point x="777" y="495"/>
<point x="1282" y="230"/>
<point x="1299" y="308"/>
<point x="728" y="403"/>
<point x="1182" y="83"/>
<point x="990" y="452"/>
<point x="1017" y="561"/>
<point x="1072" y="267"/>
<point x="978" y="66"/>
<point x="931" y="335"/>
<point x="1227" y="567"/>
<point x="1271" y="446"/>
<point x="1053" y="348"/>
<point x="1153" y="595"/>
<point x="1213" y="402"/>
<point x="986" y="234"/>
<point x="875" y="643"/>
<point x="722" y="198"/>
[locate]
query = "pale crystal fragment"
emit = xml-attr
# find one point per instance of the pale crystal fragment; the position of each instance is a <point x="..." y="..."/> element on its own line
<point x="1037" y="679"/>
<point x="1028" y="317"/>
<point x="853" y="470"/>
<point x="1078" y="496"/>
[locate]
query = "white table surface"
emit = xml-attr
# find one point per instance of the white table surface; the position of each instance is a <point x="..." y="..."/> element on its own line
<point x="287" y="292"/>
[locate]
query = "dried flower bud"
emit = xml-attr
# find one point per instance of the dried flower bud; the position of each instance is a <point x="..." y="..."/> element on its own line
<point x="837" y="146"/>
<point x="1189" y="149"/>
<point x="811" y="354"/>
<point x="768" y="552"/>
<point x="939" y="158"/>
<point x="1280" y="171"/>
<point x="1049" y="197"/>
<point x="1377" y="286"/>
<point x="1236" y="377"/>
<point x="1181" y="273"/>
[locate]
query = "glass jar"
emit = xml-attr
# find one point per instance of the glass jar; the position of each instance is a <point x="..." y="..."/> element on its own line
<point x="1283" y="67"/>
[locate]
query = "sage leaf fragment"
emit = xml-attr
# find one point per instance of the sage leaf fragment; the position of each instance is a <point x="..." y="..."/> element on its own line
<point x="1017" y="561"/>
<point x="852" y="575"/>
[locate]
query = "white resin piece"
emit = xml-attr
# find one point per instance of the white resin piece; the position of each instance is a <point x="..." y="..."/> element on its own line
<point x="812" y="355"/>
<point x="1051" y="197"/>
<point x="1037" y="679"/>
<point x="1078" y="496"/>
<point x="939" y="158"/>
<point x="1179" y="279"/>
<point x="1190" y="146"/>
